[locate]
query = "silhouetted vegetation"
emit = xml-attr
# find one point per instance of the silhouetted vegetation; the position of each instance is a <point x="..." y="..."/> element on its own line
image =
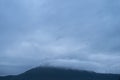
<point x="48" y="73"/>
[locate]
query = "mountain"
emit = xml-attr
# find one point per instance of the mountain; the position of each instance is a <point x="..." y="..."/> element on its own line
<point x="52" y="73"/>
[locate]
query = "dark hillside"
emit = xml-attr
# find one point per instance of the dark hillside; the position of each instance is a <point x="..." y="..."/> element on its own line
<point x="49" y="73"/>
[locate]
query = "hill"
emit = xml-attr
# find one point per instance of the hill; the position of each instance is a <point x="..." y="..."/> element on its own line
<point x="52" y="73"/>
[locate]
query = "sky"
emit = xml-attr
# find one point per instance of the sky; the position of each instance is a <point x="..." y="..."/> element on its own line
<point x="75" y="34"/>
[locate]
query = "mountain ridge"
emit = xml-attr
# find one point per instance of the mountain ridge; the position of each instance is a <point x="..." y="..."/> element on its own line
<point x="54" y="73"/>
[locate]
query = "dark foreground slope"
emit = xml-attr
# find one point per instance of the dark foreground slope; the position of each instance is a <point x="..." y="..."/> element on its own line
<point x="48" y="73"/>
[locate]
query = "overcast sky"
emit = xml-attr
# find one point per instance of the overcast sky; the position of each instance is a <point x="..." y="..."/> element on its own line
<point x="77" y="34"/>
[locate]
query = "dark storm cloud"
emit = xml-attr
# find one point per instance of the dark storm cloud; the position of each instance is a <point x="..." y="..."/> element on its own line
<point x="68" y="33"/>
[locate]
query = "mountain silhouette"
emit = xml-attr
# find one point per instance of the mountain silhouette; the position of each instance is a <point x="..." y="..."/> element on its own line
<point x="52" y="73"/>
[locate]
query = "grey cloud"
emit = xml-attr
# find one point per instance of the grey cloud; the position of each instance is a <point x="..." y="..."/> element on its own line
<point x="59" y="33"/>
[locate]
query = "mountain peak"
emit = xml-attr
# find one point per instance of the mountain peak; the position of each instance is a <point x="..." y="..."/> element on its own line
<point x="54" y="73"/>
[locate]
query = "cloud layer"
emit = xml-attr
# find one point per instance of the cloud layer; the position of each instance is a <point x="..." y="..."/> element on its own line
<point x="64" y="33"/>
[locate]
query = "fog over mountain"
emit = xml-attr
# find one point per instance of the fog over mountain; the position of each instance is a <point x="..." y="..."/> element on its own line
<point x="77" y="34"/>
